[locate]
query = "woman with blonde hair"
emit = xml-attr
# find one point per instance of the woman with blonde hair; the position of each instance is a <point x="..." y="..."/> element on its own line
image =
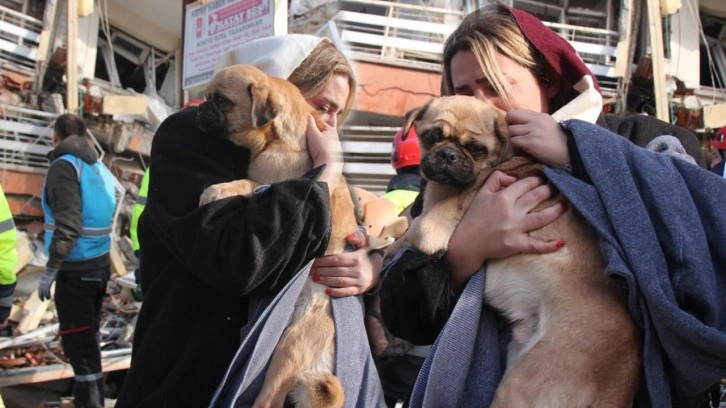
<point x="208" y="272"/>
<point x="553" y="109"/>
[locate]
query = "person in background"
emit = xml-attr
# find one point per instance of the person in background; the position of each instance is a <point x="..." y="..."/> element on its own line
<point x="8" y="259"/>
<point x="508" y="58"/>
<point x="78" y="203"/>
<point x="399" y="363"/>
<point x="204" y="269"/>
<point x="404" y="187"/>
<point x="718" y="142"/>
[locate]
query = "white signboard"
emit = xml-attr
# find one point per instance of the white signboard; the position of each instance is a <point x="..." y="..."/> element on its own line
<point x="213" y="28"/>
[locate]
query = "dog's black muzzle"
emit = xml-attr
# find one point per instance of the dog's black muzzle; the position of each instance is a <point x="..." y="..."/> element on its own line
<point x="449" y="166"/>
<point x="209" y="117"/>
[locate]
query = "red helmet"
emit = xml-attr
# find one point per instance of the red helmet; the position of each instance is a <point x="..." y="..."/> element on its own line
<point x="192" y="102"/>
<point x="719" y="139"/>
<point x="405" y="150"/>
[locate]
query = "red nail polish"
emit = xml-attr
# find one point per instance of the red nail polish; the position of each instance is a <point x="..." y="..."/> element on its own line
<point x="560" y="244"/>
<point x="316" y="278"/>
<point x="328" y="291"/>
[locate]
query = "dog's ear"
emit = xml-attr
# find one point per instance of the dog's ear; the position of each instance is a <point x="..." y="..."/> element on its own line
<point x="501" y="131"/>
<point x="264" y="106"/>
<point x="412" y="116"/>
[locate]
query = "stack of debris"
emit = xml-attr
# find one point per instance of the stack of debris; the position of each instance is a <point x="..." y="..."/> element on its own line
<point x="30" y="348"/>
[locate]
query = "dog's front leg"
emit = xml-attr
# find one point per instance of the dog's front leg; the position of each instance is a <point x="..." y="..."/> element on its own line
<point x="435" y="227"/>
<point x="223" y="190"/>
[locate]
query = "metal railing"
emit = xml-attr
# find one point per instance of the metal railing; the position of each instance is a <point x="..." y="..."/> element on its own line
<point x="396" y="33"/>
<point x="413" y="36"/>
<point x="19" y="39"/>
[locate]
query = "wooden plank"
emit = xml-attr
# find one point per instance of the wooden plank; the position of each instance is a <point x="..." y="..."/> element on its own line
<point x="72" y="58"/>
<point x="655" y="27"/>
<point x="117" y="260"/>
<point x="29" y="375"/>
<point x="124" y="104"/>
<point x="25" y="251"/>
<point x="33" y="311"/>
<point x="714" y="116"/>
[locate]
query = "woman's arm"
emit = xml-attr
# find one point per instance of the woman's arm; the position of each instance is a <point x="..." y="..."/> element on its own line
<point x="239" y="244"/>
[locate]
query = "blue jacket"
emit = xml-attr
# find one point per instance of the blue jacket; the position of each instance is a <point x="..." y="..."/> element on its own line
<point x="98" y="202"/>
<point x="661" y="224"/>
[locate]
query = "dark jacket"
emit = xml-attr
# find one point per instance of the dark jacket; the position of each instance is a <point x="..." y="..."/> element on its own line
<point x="416" y="299"/>
<point x="719" y="168"/>
<point x="203" y="267"/>
<point x="63" y="193"/>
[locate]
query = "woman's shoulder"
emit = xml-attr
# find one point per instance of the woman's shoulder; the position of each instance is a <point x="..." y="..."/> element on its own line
<point x="642" y="129"/>
<point x="640" y="125"/>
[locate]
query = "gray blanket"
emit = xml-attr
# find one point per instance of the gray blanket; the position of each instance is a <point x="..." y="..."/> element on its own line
<point x="662" y="224"/>
<point x="353" y="361"/>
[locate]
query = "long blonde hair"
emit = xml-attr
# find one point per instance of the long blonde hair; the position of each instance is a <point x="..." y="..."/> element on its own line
<point x="489" y="30"/>
<point x="316" y="70"/>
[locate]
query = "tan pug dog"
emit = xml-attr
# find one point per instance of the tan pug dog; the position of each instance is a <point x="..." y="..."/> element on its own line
<point x="574" y="342"/>
<point x="269" y="116"/>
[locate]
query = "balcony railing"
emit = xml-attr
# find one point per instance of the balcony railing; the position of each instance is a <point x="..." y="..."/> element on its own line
<point x="413" y="36"/>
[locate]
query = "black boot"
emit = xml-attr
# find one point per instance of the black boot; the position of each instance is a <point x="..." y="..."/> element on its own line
<point x="88" y="392"/>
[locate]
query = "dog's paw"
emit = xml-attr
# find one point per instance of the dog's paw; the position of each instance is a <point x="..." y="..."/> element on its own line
<point x="224" y="190"/>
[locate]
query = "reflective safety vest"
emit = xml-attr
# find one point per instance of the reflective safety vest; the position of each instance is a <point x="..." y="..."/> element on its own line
<point x="138" y="209"/>
<point x="8" y="243"/>
<point x="98" y="202"/>
<point x="401" y="199"/>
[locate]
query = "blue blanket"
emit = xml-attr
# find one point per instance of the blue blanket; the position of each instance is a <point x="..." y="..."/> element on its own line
<point x="353" y="361"/>
<point x="662" y="223"/>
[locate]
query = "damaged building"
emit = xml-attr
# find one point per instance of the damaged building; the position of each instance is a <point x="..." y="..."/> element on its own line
<point x="665" y="58"/>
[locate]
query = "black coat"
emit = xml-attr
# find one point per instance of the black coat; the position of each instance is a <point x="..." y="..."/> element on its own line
<point x="203" y="267"/>
<point x="416" y="299"/>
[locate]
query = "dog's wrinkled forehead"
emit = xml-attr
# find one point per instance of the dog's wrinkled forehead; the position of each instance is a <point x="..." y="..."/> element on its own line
<point x="462" y="117"/>
<point x="235" y="79"/>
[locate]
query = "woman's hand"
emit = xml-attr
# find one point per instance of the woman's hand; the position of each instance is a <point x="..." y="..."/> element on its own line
<point x="498" y="222"/>
<point x="539" y="135"/>
<point x="325" y="148"/>
<point x="349" y="273"/>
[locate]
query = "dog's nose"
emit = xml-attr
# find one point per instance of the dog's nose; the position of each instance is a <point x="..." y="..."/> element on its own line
<point x="448" y="156"/>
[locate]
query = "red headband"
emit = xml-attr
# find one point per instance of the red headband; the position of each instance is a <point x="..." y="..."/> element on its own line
<point x="561" y="56"/>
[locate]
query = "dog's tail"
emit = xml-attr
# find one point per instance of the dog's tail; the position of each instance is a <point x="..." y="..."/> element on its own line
<point x="316" y="389"/>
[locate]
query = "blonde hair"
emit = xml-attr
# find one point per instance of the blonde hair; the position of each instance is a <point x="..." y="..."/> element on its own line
<point x="317" y="69"/>
<point x="485" y="32"/>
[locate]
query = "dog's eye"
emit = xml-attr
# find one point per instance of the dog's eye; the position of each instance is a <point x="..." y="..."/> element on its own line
<point x="478" y="151"/>
<point x="220" y="100"/>
<point x="431" y="136"/>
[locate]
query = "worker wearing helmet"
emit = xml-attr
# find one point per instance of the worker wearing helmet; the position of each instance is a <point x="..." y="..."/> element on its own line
<point x="403" y="188"/>
<point x="398" y="365"/>
<point x="718" y="142"/>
